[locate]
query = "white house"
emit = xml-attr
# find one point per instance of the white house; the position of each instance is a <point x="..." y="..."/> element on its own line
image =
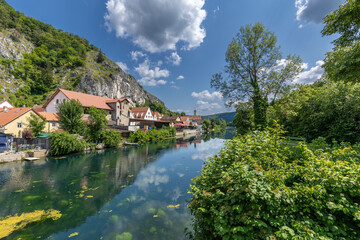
<point x="5" y="103"/>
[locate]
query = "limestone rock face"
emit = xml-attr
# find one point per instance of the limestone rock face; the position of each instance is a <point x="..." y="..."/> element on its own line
<point x="13" y="45"/>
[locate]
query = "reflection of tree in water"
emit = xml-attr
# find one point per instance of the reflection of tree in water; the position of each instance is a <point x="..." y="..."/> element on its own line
<point x="78" y="186"/>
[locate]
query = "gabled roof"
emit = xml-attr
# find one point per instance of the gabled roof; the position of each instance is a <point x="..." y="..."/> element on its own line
<point x="140" y="109"/>
<point x="8" y="115"/>
<point x="194" y="117"/>
<point x="3" y="101"/>
<point x="87" y="100"/>
<point x="184" y="118"/>
<point x="50" y="117"/>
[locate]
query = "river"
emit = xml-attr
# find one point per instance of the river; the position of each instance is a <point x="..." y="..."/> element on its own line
<point x="123" y="194"/>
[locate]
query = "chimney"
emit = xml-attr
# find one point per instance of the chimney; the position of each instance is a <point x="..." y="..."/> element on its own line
<point x="194" y="112"/>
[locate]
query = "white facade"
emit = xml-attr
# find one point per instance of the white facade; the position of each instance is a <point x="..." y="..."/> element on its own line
<point x="6" y="104"/>
<point x="148" y="115"/>
<point x="59" y="98"/>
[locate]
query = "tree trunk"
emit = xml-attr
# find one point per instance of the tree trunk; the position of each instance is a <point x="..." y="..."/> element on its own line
<point x="260" y="106"/>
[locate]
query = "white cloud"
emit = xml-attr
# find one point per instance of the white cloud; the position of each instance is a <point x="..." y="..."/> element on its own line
<point x="180" y="77"/>
<point x="123" y="66"/>
<point x="207" y="95"/>
<point x="202" y="105"/>
<point x="135" y="55"/>
<point x="157" y="25"/>
<point x="311" y="75"/>
<point x="149" y="76"/>
<point x="313" y="11"/>
<point x="174" y="58"/>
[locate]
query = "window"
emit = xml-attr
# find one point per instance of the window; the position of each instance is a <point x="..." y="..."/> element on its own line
<point x="53" y="124"/>
<point x="57" y="101"/>
<point x="19" y="125"/>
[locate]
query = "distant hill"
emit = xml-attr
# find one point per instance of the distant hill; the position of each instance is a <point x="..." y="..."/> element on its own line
<point x="228" y="116"/>
<point x="36" y="59"/>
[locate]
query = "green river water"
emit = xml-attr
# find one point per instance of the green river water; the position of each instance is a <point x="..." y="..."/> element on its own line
<point x="123" y="194"/>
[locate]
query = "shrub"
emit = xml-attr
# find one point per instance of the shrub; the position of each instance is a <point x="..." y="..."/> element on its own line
<point x="27" y="134"/>
<point x="139" y="137"/>
<point x="64" y="143"/>
<point x="262" y="187"/>
<point x="111" y="138"/>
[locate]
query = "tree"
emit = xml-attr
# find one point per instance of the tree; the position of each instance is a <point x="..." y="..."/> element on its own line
<point x="206" y="125"/>
<point x="242" y="120"/>
<point x="212" y="123"/>
<point x="36" y="124"/>
<point x="97" y="123"/>
<point x="27" y="134"/>
<point x="343" y="63"/>
<point x="100" y="57"/>
<point x="71" y="113"/>
<point x="182" y="114"/>
<point x="256" y="71"/>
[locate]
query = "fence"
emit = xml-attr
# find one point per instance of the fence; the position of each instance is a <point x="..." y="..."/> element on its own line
<point x="22" y="143"/>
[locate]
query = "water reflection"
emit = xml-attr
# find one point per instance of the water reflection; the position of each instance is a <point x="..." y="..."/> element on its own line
<point x="114" y="194"/>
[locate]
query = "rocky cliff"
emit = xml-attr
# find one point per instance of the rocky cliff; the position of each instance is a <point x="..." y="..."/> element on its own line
<point x="35" y="59"/>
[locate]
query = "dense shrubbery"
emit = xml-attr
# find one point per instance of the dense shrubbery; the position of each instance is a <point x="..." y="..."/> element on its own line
<point x="140" y="136"/>
<point x="64" y="143"/>
<point x="329" y="110"/>
<point x="262" y="187"/>
<point x="111" y="138"/>
<point x="213" y="124"/>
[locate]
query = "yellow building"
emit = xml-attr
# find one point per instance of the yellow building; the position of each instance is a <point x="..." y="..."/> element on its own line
<point x="52" y="121"/>
<point x="14" y="120"/>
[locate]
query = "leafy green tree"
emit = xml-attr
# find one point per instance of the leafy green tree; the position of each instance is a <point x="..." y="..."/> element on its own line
<point x="97" y="123"/>
<point x="242" y="120"/>
<point x="182" y="114"/>
<point x="324" y="109"/>
<point x="255" y="70"/>
<point x="221" y="122"/>
<point x="36" y="124"/>
<point x="65" y="143"/>
<point x="155" y="106"/>
<point x="206" y="125"/>
<point x="71" y="113"/>
<point x="212" y="123"/>
<point x="343" y="62"/>
<point x="262" y="187"/>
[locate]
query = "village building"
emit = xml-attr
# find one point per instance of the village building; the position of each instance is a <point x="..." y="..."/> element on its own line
<point x="5" y="103"/>
<point x="157" y="116"/>
<point x="52" y="121"/>
<point x="13" y="121"/>
<point x="172" y="119"/>
<point x="117" y="109"/>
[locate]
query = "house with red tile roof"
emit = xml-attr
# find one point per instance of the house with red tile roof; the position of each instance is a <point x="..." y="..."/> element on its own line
<point x="117" y="109"/>
<point x="141" y="113"/>
<point x="52" y="121"/>
<point x="14" y="120"/>
<point x="5" y="103"/>
<point x="157" y="116"/>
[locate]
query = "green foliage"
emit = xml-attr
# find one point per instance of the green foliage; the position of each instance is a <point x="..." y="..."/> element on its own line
<point x="243" y="119"/>
<point x="111" y="138"/>
<point x="65" y="143"/>
<point x="36" y="124"/>
<point x="97" y="123"/>
<point x="228" y="116"/>
<point x="71" y="113"/>
<point x="100" y="57"/>
<point x="328" y="110"/>
<point x="344" y="62"/>
<point x="153" y="135"/>
<point x="139" y="137"/>
<point x="253" y="71"/>
<point x="54" y="49"/>
<point x="261" y="187"/>
<point x="206" y="126"/>
<point x="214" y="125"/>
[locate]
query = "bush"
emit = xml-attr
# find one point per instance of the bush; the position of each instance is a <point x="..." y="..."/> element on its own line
<point x="140" y="136"/>
<point x="111" y="138"/>
<point x="262" y="187"/>
<point x="27" y="134"/>
<point x="64" y="143"/>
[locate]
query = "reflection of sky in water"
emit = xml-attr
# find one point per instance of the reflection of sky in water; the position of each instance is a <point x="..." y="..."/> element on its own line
<point x="208" y="149"/>
<point x="141" y="192"/>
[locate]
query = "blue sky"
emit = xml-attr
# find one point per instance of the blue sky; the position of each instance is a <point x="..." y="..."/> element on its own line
<point x="173" y="47"/>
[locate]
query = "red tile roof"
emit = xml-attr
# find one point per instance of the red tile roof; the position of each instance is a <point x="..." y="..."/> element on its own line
<point x="194" y="117"/>
<point x="10" y="114"/>
<point x="87" y="100"/>
<point x="140" y="109"/>
<point x="52" y="117"/>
